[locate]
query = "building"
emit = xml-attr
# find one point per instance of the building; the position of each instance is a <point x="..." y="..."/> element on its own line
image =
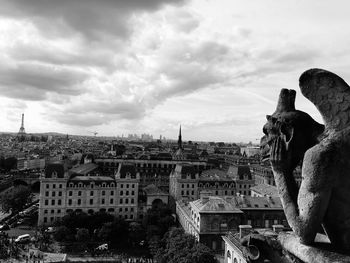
<point x="152" y="171"/>
<point x="250" y="151"/>
<point x="263" y="174"/>
<point x="209" y="217"/>
<point x="261" y="190"/>
<point x="234" y="251"/>
<point x="151" y="197"/>
<point x="86" y="189"/>
<point x="183" y="182"/>
<point x="186" y="183"/>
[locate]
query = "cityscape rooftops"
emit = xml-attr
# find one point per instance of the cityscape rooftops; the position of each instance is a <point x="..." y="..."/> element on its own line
<point x="83" y="169"/>
<point x="265" y="190"/>
<point x="214" y="204"/>
<point x="215" y="175"/>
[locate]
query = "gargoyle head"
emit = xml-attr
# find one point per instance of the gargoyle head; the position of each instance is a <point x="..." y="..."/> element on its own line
<point x="298" y="129"/>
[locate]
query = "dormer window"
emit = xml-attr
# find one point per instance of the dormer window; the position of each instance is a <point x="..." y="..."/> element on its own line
<point x="80" y="185"/>
<point x="92" y="185"/>
<point x="128" y="174"/>
<point x="112" y="184"/>
<point x="71" y="184"/>
<point x="103" y="184"/>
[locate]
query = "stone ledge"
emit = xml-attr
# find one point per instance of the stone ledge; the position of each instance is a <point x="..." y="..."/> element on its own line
<point x="320" y="252"/>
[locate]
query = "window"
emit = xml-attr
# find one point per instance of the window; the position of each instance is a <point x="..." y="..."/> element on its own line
<point x="54" y="186"/>
<point x="47" y="193"/>
<point x="58" y="211"/>
<point x="131" y="209"/>
<point x="47" y="186"/>
<point x="52" y="202"/>
<point x="103" y="201"/>
<point x="103" y="192"/>
<point x="126" y="201"/>
<point x="127" y="185"/>
<point x="111" y="201"/>
<point x="70" y="193"/>
<point x="132" y="200"/>
<point x="91" y="193"/>
<point x="131" y="216"/>
<point x="45" y="219"/>
<point x="121" y="201"/>
<point x="69" y="201"/>
<point x="79" y="201"/>
<point x="53" y="194"/>
<point x="59" y="193"/>
<point x="121" y="185"/>
<point x="46" y="202"/>
<point x="132" y="186"/>
<point x="132" y="192"/>
<point x="45" y="211"/>
<point x="121" y="192"/>
<point x="60" y="186"/>
<point x="59" y="202"/>
<point x="112" y="192"/>
<point x="91" y="201"/>
<point x="126" y="209"/>
<point x="127" y="193"/>
<point x="120" y="209"/>
<point x="52" y="211"/>
<point x="79" y="193"/>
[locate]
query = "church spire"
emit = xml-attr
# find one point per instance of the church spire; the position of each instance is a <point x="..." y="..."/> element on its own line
<point x="179" y="141"/>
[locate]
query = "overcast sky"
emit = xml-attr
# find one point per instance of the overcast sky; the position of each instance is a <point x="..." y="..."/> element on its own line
<point x="147" y="66"/>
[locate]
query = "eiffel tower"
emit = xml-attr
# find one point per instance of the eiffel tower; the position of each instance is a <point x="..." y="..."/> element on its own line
<point x="22" y="131"/>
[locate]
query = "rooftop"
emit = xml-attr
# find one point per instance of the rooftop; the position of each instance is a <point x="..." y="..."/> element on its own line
<point x="265" y="190"/>
<point x="215" y="204"/>
<point x="215" y="175"/>
<point x="84" y="168"/>
<point x="92" y="178"/>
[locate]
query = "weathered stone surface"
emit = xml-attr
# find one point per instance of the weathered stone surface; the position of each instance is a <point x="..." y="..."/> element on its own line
<point x="292" y="137"/>
<point x="320" y="252"/>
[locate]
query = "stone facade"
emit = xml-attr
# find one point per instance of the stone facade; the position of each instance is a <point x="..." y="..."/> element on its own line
<point x="85" y="189"/>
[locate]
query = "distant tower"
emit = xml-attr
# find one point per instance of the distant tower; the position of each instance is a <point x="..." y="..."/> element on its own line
<point x="179" y="141"/>
<point x="22" y="131"/>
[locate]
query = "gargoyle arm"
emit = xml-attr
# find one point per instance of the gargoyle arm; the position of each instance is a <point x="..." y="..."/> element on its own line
<point x="306" y="215"/>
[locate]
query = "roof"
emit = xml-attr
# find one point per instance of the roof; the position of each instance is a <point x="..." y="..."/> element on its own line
<point x="83" y="178"/>
<point x="214" y="204"/>
<point x="235" y="240"/>
<point x="151" y="189"/>
<point x="84" y="168"/>
<point x="215" y="175"/>
<point x="238" y="171"/>
<point x="236" y="204"/>
<point x="265" y="190"/>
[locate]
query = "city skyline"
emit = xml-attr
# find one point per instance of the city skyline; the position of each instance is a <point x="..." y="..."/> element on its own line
<point x="114" y="67"/>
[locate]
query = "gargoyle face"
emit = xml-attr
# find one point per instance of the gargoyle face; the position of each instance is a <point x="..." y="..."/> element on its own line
<point x="277" y="126"/>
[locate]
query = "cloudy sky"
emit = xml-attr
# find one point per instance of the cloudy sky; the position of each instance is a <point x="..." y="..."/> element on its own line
<point x="147" y="66"/>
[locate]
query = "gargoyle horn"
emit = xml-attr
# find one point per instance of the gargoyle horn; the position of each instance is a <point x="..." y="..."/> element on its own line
<point x="286" y="101"/>
<point x="330" y="94"/>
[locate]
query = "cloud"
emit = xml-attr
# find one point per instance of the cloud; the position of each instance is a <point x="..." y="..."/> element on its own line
<point x="33" y="81"/>
<point x="92" y="19"/>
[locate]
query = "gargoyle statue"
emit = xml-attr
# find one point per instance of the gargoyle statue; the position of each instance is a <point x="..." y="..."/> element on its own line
<point x="292" y="137"/>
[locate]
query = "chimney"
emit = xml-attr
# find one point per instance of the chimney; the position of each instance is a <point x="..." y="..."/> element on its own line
<point x="277" y="228"/>
<point x="244" y="230"/>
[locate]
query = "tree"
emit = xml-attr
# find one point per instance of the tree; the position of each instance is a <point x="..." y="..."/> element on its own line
<point x="83" y="236"/>
<point x="63" y="233"/>
<point x="16" y="198"/>
<point x="179" y="247"/>
<point x="116" y="232"/>
<point x="136" y="234"/>
<point x="10" y="163"/>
